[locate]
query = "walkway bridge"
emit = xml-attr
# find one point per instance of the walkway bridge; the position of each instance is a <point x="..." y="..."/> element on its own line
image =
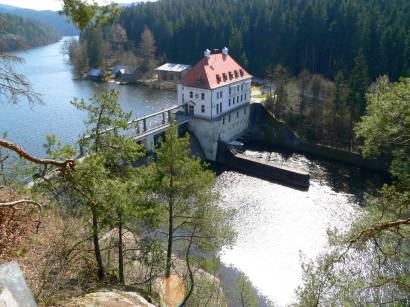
<point x="147" y="129"/>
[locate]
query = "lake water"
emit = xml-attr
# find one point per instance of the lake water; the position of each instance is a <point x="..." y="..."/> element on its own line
<point x="51" y="77"/>
<point x="276" y="225"/>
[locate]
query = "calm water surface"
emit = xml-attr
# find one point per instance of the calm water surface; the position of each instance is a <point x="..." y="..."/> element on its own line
<point x="51" y="77"/>
<point x="276" y="225"/>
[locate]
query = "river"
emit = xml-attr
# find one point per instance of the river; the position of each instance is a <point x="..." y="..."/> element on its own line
<point x="277" y="226"/>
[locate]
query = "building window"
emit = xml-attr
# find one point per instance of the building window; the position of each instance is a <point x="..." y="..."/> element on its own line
<point x="241" y="87"/>
<point x="229" y="101"/>
<point x="220" y="107"/>
<point x="230" y="90"/>
<point x="237" y="114"/>
<point x="191" y="95"/>
<point x="203" y="96"/>
<point x="202" y="108"/>
<point x="237" y="88"/>
<point x="220" y="94"/>
<point x="223" y="121"/>
<point x="241" y="97"/>
<point x="245" y="96"/>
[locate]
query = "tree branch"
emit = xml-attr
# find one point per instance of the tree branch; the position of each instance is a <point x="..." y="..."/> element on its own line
<point x="65" y="165"/>
<point x="19" y="202"/>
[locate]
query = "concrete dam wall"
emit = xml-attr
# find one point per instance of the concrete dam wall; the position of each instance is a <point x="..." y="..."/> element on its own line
<point x="262" y="169"/>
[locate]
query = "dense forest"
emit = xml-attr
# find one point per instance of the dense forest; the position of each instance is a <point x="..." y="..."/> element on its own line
<point x="322" y="36"/>
<point x="99" y="223"/>
<point x="19" y="33"/>
<point x="60" y="23"/>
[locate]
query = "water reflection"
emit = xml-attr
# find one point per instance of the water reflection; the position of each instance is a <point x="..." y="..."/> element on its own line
<point x="51" y="76"/>
<point x="277" y="224"/>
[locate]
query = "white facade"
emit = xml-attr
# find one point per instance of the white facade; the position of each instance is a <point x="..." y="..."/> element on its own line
<point x="214" y="103"/>
<point x="220" y="114"/>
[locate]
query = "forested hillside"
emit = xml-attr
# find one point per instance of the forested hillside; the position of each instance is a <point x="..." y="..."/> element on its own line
<point x="322" y="36"/>
<point x="60" y="23"/>
<point x="18" y="33"/>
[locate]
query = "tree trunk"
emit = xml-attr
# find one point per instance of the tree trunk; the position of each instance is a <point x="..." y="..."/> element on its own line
<point x="97" y="250"/>
<point x="170" y="239"/>
<point x="120" y="253"/>
<point x="191" y="274"/>
<point x="170" y="224"/>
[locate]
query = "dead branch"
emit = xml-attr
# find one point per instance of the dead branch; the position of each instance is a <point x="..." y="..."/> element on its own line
<point x="65" y="165"/>
<point x="380" y="227"/>
<point x="13" y="204"/>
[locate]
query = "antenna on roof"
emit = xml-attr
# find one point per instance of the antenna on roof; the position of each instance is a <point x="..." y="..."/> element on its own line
<point x="207" y="53"/>
<point x="225" y="51"/>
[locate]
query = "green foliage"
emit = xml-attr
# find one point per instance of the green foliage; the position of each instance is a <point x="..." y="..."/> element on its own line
<point x="93" y="39"/>
<point x="358" y="86"/>
<point x="19" y="33"/>
<point x="321" y="36"/>
<point x="146" y="51"/>
<point x="184" y="189"/>
<point x="245" y="292"/>
<point x="386" y="126"/>
<point x="51" y="18"/>
<point x="85" y="14"/>
<point x="370" y="262"/>
<point x="105" y="123"/>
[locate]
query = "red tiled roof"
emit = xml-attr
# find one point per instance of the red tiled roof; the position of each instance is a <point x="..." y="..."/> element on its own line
<point x="215" y="71"/>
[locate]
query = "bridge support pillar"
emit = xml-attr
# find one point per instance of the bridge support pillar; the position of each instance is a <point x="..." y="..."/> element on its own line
<point x="149" y="143"/>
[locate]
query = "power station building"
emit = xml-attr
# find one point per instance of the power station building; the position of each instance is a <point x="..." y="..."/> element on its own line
<point x="217" y="92"/>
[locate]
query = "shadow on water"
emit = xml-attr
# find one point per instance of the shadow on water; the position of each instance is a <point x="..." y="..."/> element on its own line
<point x="341" y="177"/>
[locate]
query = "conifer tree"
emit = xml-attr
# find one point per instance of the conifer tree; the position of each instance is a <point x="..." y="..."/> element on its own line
<point x="147" y="53"/>
<point x="185" y="190"/>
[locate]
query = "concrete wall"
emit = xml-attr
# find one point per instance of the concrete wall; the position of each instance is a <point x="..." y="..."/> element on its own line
<point x="265" y="129"/>
<point x="262" y="169"/>
<point x="226" y="128"/>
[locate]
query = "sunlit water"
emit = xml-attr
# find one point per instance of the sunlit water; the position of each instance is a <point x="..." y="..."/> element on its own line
<point x="51" y="77"/>
<point x="279" y="226"/>
<point x="275" y="224"/>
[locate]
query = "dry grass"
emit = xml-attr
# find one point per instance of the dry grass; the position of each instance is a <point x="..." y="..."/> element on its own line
<point x="16" y="225"/>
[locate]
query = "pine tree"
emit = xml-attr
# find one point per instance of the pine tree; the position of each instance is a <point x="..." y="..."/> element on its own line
<point x="193" y="216"/>
<point x="281" y="77"/>
<point x="95" y="53"/>
<point x="147" y="53"/>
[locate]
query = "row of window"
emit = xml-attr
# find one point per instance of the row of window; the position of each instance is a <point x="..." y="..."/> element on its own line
<point x="191" y="95"/>
<point x="219" y="108"/>
<point x="229" y="116"/>
<point x="238" y="88"/>
<point x="230" y="74"/>
<point x="218" y="94"/>
<point x="236" y="99"/>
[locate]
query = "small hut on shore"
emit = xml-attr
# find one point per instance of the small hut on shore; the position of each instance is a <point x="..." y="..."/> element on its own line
<point x="124" y="72"/>
<point x="170" y="72"/>
<point x="95" y="74"/>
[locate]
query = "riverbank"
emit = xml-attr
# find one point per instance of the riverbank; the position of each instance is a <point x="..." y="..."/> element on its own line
<point x="265" y="129"/>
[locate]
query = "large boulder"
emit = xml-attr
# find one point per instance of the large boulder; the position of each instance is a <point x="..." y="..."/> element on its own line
<point x="109" y="298"/>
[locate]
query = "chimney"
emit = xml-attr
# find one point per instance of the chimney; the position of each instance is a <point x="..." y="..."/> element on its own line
<point x="207" y="53"/>
<point x="225" y="51"/>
